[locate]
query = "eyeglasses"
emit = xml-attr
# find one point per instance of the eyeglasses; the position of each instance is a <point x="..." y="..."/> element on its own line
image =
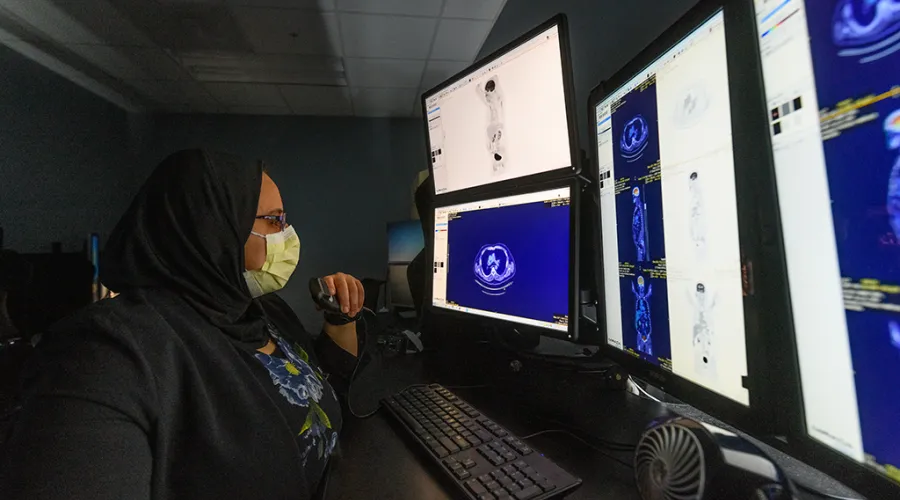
<point x="279" y="221"/>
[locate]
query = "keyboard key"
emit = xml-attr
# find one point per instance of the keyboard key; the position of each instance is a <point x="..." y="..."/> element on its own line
<point x="527" y="493"/>
<point x="471" y="438"/>
<point x="484" y="435"/>
<point x="517" y="477"/>
<point x="493" y="485"/>
<point x="468" y="463"/>
<point x="499" y="492"/>
<point x="520" y="464"/>
<point x="475" y="487"/>
<point x="525" y="483"/>
<point x="512" y="488"/>
<point x="506" y="481"/>
<point x="524" y="450"/>
<point x="440" y="451"/>
<point x="500" y="433"/>
<point x="450" y="445"/>
<point x="496" y="460"/>
<point x="529" y="471"/>
<point x="497" y="474"/>
<point x="509" y="457"/>
<point x="546" y="485"/>
<point x="486" y="496"/>
<point x="508" y="469"/>
<point x="504" y="497"/>
<point x="462" y="443"/>
<point x="462" y="474"/>
<point x="484" y="479"/>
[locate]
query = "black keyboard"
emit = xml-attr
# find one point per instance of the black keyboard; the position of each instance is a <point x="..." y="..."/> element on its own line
<point x="485" y="460"/>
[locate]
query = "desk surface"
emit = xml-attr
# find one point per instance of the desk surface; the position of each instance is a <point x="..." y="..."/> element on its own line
<point x="378" y="461"/>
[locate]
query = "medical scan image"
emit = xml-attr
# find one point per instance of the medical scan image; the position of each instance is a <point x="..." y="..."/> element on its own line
<point x="690" y="109"/>
<point x="492" y="96"/>
<point x="495" y="269"/>
<point x="698" y="215"/>
<point x="866" y="29"/>
<point x="642" y="321"/>
<point x="703" y="302"/>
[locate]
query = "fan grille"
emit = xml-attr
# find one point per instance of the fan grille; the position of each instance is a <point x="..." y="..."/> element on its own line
<point x="669" y="464"/>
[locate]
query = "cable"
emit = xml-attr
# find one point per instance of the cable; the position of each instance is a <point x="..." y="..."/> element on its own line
<point x="612" y="445"/>
<point x="820" y="494"/>
<point x="360" y="355"/>
<point x="586" y="443"/>
<point x="643" y="391"/>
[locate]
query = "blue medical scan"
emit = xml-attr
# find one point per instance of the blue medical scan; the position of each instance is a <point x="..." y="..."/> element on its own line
<point x="867" y="30"/>
<point x="642" y="321"/>
<point x="856" y="60"/>
<point x="495" y="269"/>
<point x="639" y="226"/>
<point x="634" y="139"/>
<point x="511" y="260"/>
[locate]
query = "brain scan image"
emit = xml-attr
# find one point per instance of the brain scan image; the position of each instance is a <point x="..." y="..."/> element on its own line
<point x="892" y="130"/>
<point x="698" y="215"/>
<point x="869" y="29"/>
<point x="691" y="107"/>
<point x="634" y="139"/>
<point x="639" y="225"/>
<point x="492" y="96"/>
<point x="642" y="324"/>
<point x="494" y="269"/>
<point x="704" y="357"/>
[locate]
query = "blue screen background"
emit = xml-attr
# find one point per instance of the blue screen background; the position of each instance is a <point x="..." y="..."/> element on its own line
<point x="537" y="235"/>
<point x="405" y="241"/>
<point x="859" y="166"/>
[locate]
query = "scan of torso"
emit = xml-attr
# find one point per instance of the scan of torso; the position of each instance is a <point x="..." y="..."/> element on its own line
<point x="892" y="130"/>
<point x="698" y="216"/>
<point x="638" y="226"/>
<point x="492" y="95"/>
<point x="704" y="335"/>
<point x="642" y="315"/>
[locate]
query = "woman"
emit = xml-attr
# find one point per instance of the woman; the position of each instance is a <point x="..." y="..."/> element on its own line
<point x="184" y="386"/>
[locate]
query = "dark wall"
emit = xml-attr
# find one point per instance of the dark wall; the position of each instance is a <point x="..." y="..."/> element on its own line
<point x="66" y="158"/>
<point x="342" y="180"/>
<point x="605" y="35"/>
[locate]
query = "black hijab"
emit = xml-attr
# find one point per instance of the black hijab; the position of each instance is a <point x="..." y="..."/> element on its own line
<point x="185" y="232"/>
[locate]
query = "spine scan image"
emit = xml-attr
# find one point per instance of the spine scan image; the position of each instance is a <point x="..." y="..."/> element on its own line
<point x="492" y="96"/>
<point x="698" y="215"/>
<point x="495" y="269"/>
<point x="892" y="129"/>
<point x="639" y="226"/>
<point x="704" y="358"/>
<point x="642" y="315"/>
<point x="866" y="27"/>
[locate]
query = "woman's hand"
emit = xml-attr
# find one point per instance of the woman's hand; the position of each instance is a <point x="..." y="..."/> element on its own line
<point x="351" y="296"/>
<point x="348" y="291"/>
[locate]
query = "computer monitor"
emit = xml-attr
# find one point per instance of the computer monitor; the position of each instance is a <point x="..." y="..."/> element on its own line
<point x="832" y="80"/>
<point x="405" y="241"/>
<point x="670" y="272"/>
<point x="511" y="259"/>
<point x="508" y="116"/>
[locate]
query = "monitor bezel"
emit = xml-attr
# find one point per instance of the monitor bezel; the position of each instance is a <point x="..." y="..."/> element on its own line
<point x="757" y="418"/>
<point x="574" y="185"/>
<point x="779" y="322"/>
<point x="574" y="168"/>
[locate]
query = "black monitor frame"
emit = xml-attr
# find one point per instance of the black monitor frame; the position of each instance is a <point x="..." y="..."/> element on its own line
<point x="574" y="186"/>
<point x="749" y="134"/>
<point x="778" y="322"/>
<point x="568" y="91"/>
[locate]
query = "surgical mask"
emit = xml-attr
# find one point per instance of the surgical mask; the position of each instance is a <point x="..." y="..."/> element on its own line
<point x="282" y="256"/>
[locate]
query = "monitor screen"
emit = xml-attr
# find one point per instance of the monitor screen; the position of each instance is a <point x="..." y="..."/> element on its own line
<point x="832" y="79"/>
<point x="669" y="224"/>
<point x="405" y="241"/>
<point x="502" y="120"/>
<point x="506" y="258"/>
<point x="399" y="293"/>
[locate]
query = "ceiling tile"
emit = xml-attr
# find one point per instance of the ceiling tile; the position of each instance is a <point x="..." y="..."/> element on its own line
<point x="131" y="63"/>
<point x="473" y="9"/>
<point x="165" y="92"/>
<point x="383" y="36"/>
<point x="326" y="5"/>
<point x="312" y="99"/>
<point x="384" y="72"/>
<point x="459" y="40"/>
<point x="431" y="8"/>
<point x="284" y="31"/>
<point x="108" y="23"/>
<point x="265" y="68"/>
<point x="246" y="94"/>
<point x="383" y="102"/>
<point x="438" y="71"/>
<point x="258" y="110"/>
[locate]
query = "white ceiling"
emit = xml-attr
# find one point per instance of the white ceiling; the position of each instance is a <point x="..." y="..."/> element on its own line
<point x="271" y="57"/>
